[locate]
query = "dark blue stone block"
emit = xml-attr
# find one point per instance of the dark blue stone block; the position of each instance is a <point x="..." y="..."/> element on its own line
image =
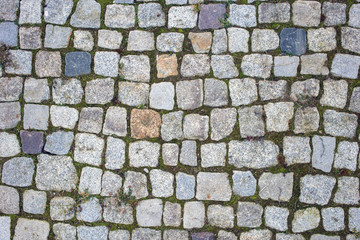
<point x="77" y="63"/>
<point x="32" y="142"/>
<point x="210" y="15"/>
<point x="293" y="41"/>
<point x="202" y="236"/>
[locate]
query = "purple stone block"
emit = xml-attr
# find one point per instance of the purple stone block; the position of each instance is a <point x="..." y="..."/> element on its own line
<point x="32" y="142"/>
<point x="202" y="236"/>
<point x="210" y="15"/>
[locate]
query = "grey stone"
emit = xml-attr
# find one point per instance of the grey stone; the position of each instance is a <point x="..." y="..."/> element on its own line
<point x="91" y="119"/>
<point x="162" y="183"/>
<point x="64" y="231"/>
<point x="333" y="218"/>
<point x="305" y="219"/>
<point x="249" y="214"/>
<point x="36" y="116"/>
<point x="88" y="149"/>
<point x="293" y="41"/>
<point x="9" y="145"/>
<point x="316" y="189"/>
<point x="345" y="65"/>
<point x="30" y="37"/>
<point x="296" y="150"/>
<point x="286" y="66"/>
<point x="162" y="96"/>
<point x="213" y="186"/>
<point x="171" y="127"/>
<point x="90" y="180"/>
<point x="213" y="154"/>
<point x="346" y="155"/>
<point x="92" y="233"/>
<point x="120" y="16"/>
<point x="146" y="234"/>
<point x="34" y="202"/>
<point x="8" y="10"/>
<point x="111" y="184"/>
<point x="149" y="212"/>
<point x="21" y="62"/>
<point x="173" y="234"/>
<point x="322" y="39"/>
<point x="354" y="216"/>
<point x="348" y="191"/>
<point x="263" y="40"/>
<point x="196" y="127"/>
<point x="244" y="183"/>
<point x="219" y="42"/>
<point x="340" y="124"/>
<point x="117" y="212"/>
<point x="5" y="232"/>
<point x="172" y="214"/>
<point x="30" y="11"/>
<point x="151" y="15"/>
<point x="284" y="236"/>
<point x="62" y="116"/>
<point x="62" y="208"/>
<point x="323" y="152"/>
<point x="99" y="91"/>
<point x="278" y="116"/>
<point x="324" y="237"/>
<point x="216" y="93"/>
<point x="193" y="65"/>
<point x="9" y="202"/>
<point x="189" y="94"/>
<point x="170" y="42"/>
<point x="57" y="12"/>
<point x="251" y="122"/>
<point x="77" y="63"/>
<point x="222" y="122"/>
<point x="48" y="64"/>
<point x="18" y="172"/>
<point x="9" y="34"/>
<point x="135" y="68"/>
<point x="141" y="41"/>
<point x="306" y="13"/>
<point x="335" y="13"/>
<point x="106" y="64"/>
<point x="274" y="12"/>
<point x="314" y="64"/>
<point x="182" y="17"/>
<point x="115" y="121"/>
<point x="170" y="154"/>
<point x="10" y="89"/>
<point x="32" y="142"/>
<point x="55" y="173"/>
<point x="133" y="94"/>
<point x="256" y="234"/>
<point x="31" y="229"/>
<point x="90" y="211"/>
<point x="277" y="187"/>
<point x="335" y="93"/>
<point x="144" y="154"/>
<point x="59" y="143"/>
<point x="56" y="36"/>
<point x="185" y="186"/>
<point x="188" y="154"/>
<point x="242" y="15"/>
<point x="238" y="40"/>
<point x="109" y="39"/>
<point x="355" y="100"/>
<point x="210" y="15"/>
<point x="252" y="154"/>
<point x="119" y="235"/>
<point x="304" y="90"/>
<point x="242" y="91"/>
<point x="271" y="90"/>
<point x="276" y="218"/>
<point x="36" y="90"/>
<point x="220" y="216"/>
<point x="354" y="14"/>
<point x="223" y="235"/>
<point x="86" y="15"/>
<point x="83" y="40"/>
<point x="223" y="66"/>
<point x="257" y="65"/>
<point x="194" y="215"/>
<point x="137" y="183"/>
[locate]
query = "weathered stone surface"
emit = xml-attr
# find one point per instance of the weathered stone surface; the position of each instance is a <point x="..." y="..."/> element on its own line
<point x="175" y="234"/>
<point x="151" y="15"/>
<point x="86" y="15"/>
<point x="106" y="64"/>
<point x="210" y="15"/>
<point x="57" y="12"/>
<point x="188" y="154"/>
<point x="9" y="202"/>
<point x="219" y="42"/>
<point x="109" y="39"/>
<point x="345" y="65"/>
<point x="189" y="94"/>
<point x="10" y="114"/>
<point x="62" y="116"/>
<point x="56" y="36"/>
<point x="306" y="13"/>
<point x="90" y="211"/>
<point x="201" y="42"/>
<point x="306" y="219"/>
<point x="162" y="96"/>
<point x="335" y="93"/>
<point x="161" y="183"/>
<point x="269" y="90"/>
<point x="274" y="12"/>
<point x="90" y="180"/>
<point x="278" y="116"/>
<point x="257" y="65"/>
<point x="323" y="152"/>
<point x="182" y="17"/>
<point x="99" y="91"/>
<point x="5" y="231"/>
<point x="264" y="40"/>
<point x="55" y="173"/>
<point x="355" y="100"/>
<point x="91" y="119"/>
<point x="120" y="16"/>
<point x="322" y="39"/>
<point x="346" y="155"/>
<point x="216" y="93"/>
<point x="194" y="215"/>
<point x="8" y="10"/>
<point x="304" y="90"/>
<point x="242" y="91"/>
<point x="30" y="11"/>
<point x="48" y="64"/>
<point x="88" y="149"/>
<point x="354" y="14"/>
<point x="137" y="183"/>
<point x="166" y="65"/>
<point x="141" y="41"/>
<point x="172" y="214"/>
<point x="149" y="212"/>
<point x="256" y="234"/>
<point x="34" y="202"/>
<point x="249" y="214"/>
<point x="242" y="15"/>
<point x="335" y="13"/>
<point x="333" y="218"/>
<point x="244" y="183"/>
<point x="296" y="150"/>
<point x="286" y="66"/>
<point x="306" y="120"/>
<point x="64" y="231"/>
<point x="36" y="116"/>
<point x="62" y="208"/>
<point x="170" y="42"/>
<point x="18" y="172"/>
<point x="276" y="218"/>
<point x="222" y="122"/>
<point x="350" y="38"/>
<point x="83" y="40"/>
<point x="348" y="191"/>
<point x="92" y="233"/>
<point x="145" y="123"/>
<point x="31" y="229"/>
<point x="196" y="127"/>
<point x="284" y="236"/>
<point x="193" y="65"/>
<point x="223" y="235"/>
<point x="278" y="186"/>
<point x="119" y="235"/>
<point x="293" y="41"/>
<point x="171" y="127"/>
<point x="213" y="186"/>
<point x="32" y="142"/>
<point x="213" y="154"/>
<point x="59" y="143"/>
<point x="314" y="64"/>
<point x="67" y="91"/>
<point x="223" y="66"/>
<point x="135" y="68"/>
<point x="238" y="40"/>
<point x="77" y="63"/>
<point x="21" y="62"/>
<point x="36" y="90"/>
<point x="146" y="233"/>
<point x="133" y="94"/>
<point x="340" y="124"/>
<point x="185" y="186"/>
<point x="9" y="145"/>
<point x="251" y="122"/>
<point x="316" y="189"/>
<point x="115" y="122"/>
<point x="9" y="34"/>
<point x="170" y="154"/>
<point x="30" y="37"/>
<point x="220" y="216"/>
<point x="354" y="216"/>
<point x="111" y="184"/>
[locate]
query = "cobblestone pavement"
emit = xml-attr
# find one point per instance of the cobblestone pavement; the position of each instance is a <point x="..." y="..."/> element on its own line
<point x="179" y="119"/>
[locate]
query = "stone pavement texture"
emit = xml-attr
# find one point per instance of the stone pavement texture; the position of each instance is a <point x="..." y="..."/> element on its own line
<point x="179" y="119"/>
